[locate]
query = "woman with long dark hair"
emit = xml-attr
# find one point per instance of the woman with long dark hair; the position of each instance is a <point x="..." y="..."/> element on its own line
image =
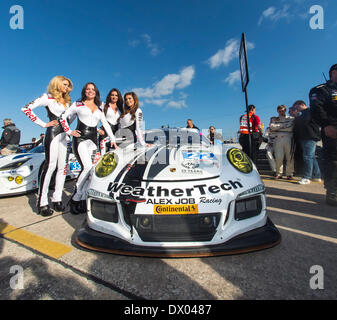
<point x="131" y="120"/>
<point x="56" y="101"/>
<point x="85" y="139"/>
<point x="112" y="108"/>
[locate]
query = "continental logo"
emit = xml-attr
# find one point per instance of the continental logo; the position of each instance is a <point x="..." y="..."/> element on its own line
<point x="177" y="209"/>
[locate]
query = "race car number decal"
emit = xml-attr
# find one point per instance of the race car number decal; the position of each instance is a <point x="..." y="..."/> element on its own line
<point x="202" y="156"/>
<point x="75" y="166"/>
<point x="177" y="209"/>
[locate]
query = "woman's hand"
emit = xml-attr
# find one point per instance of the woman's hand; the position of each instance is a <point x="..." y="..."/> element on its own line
<point x="101" y="132"/>
<point x="113" y="145"/>
<point x="53" y="123"/>
<point x="75" y="133"/>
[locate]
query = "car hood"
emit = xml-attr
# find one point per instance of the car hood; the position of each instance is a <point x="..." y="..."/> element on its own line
<point x="15" y="157"/>
<point x="166" y="163"/>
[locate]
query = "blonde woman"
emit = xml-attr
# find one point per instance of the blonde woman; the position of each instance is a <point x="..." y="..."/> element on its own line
<point x="56" y="101"/>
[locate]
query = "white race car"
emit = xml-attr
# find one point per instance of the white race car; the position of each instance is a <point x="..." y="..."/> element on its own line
<point x="179" y="197"/>
<point x="19" y="173"/>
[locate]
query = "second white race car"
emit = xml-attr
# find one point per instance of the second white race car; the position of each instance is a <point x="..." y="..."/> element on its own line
<point x="19" y="173"/>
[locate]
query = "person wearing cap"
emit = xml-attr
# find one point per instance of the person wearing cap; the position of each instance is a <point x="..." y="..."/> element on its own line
<point x="323" y="105"/>
<point x="10" y="139"/>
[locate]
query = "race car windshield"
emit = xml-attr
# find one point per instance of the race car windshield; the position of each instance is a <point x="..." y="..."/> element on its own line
<point x="175" y="137"/>
<point x="38" y="149"/>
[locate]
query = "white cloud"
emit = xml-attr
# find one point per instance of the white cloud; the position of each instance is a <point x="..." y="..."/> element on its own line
<point x="229" y="53"/>
<point x="233" y="77"/>
<point x="147" y="40"/>
<point x="168" y="84"/>
<point x="154" y="50"/>
<point x="134" y="43"/>
<point x="177" y="104"/>
<point x="157" y="102"/>
<point x="274" y="14"/>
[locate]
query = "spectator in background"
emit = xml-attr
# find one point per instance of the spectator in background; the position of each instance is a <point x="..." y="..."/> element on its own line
<point x="323" y="106"/>
<point x="213" y="135"/>
<point x="307" y="133"/>
<point x="10" y="138"/>
<point x="255" y="130"/>
<point x="298" y="154"/>
<point x="282" y="126"/>
<point x="293" y="112"/>
<point x="190" y="125"/>
<point x="38" y="142"/>
<point x="270" y="150"/>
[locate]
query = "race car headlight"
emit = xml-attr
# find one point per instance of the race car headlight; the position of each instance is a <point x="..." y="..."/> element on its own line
<point x="106" y="165"/>
<point x="13" y="165"/>
<point x="18" y="179"/>
<point x="255" y="190"/>
<point x="240" y="160"/>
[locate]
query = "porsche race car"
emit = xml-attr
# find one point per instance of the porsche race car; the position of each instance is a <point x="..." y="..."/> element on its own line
<point x="180" y="196"/>
<point x="19" y="173"/>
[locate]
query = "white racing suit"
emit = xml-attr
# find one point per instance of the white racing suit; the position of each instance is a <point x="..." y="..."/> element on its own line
<point x="85" y="145"/>
<point x="55" y="143"/>
<point x="131" y="129"/>
<point x="112" y="118"/>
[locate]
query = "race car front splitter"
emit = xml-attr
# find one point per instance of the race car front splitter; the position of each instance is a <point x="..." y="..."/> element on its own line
<point x="254" y="240"/>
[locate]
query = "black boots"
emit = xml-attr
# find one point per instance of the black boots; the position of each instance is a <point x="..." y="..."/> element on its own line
<point x="78" y="207"/>
<point x="58" y="206"/>
<point x="45" y="211"/>
<point x="331" y="199"/>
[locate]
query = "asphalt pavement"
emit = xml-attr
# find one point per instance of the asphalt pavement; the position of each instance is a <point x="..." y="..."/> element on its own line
<point x="39" y="259"/>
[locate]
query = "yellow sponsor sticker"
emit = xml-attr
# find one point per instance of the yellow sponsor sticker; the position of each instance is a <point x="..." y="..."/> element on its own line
<point x="176" y="209"/>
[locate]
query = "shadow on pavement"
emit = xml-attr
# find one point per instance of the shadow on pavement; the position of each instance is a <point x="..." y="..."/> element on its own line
<point x="40" y="283"/>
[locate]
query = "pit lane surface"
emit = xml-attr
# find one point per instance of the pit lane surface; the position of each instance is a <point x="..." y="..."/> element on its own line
<point x="54" y="267"/>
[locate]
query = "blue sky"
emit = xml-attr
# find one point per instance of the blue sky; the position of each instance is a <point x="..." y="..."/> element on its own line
<point x="179" y="56"/>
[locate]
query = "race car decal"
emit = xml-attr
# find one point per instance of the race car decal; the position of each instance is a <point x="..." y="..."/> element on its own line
<point x="170" y="201"/>
<point x="151" y="191"/>
<point x="213" y="200"/>
<point x="201" y="156"/>
<point x="127" y="167"/>
<point x="160" y="162"/>
<point x="178" y="209"/>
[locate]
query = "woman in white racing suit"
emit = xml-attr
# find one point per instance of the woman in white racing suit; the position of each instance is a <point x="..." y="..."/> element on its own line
<point x="112" y="108"/>
<point x="56" y="101"/>
<point x="131" y="120"/>
<point x="85" y="139"/>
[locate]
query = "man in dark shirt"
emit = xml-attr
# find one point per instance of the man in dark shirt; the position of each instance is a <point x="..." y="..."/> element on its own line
<point x="307" y="133"/>
<point x="323" y="104"/>
<point x="10" y="138"/>
<point x="190" y="125"/>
